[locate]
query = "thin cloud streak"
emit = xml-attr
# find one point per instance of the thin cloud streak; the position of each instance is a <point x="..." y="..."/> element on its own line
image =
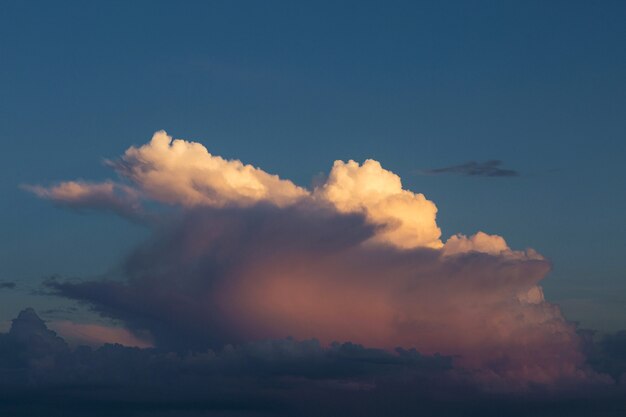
<point x="491" y="168"/>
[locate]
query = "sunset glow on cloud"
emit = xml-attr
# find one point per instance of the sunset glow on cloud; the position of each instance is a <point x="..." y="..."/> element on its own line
<point x="178" y="172"/>
<point x="311" y="209"/>
<point x="185" y="173"/>
<point x="359" y="258"/>
<point x="96" y="335"/>
<point x="407" y="220"/>
<point x="107" y="195"/>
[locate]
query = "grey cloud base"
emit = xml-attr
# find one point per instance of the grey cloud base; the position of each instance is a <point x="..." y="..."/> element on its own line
<point x="40" y="374"/>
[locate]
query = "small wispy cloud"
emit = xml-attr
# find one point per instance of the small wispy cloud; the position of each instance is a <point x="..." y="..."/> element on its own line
<point x="491" y="168"/>
<point x="4" y="285"/>
<point x="109" y="196"/>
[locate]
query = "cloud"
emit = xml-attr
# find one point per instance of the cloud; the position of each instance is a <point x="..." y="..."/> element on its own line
<point x="407" y="218"/>
<point x="182" y="173"/>
<point x="484" y="243"/>
<point x="270" y="375"/>
<point x="108" y="196"/>
<point x="233" y="275"/>
<point x="59" y="311"/>
<point x="185" y="173"/>
<point x="607" y="353"/>
<point x="40" y="374"/>
<point x="96" y="335"/>
<point x="491" y="168"/>
<point x="250" y="256"/>
<point x="29" y="343"/>
<point x="7" y="285"/>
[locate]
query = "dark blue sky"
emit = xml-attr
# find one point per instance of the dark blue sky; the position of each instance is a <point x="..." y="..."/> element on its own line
<point x="290" y="88"/>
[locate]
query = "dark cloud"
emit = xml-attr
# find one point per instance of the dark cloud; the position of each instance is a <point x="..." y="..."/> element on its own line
<point x="607" y="353"/>
<point x="7" y="285"/>
<point x="265" y="376"/>
<point x="492" y="168"/>
<point x="41" y="375"/>
<point x="60" y="311"/>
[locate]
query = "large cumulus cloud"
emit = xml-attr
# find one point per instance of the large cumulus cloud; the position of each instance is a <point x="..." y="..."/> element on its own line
<point x="251" y="256"/>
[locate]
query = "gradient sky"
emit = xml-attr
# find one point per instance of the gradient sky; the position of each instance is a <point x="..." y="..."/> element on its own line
<point x="291" y="88"/>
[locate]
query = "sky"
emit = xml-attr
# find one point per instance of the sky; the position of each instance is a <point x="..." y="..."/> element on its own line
<point x="503" y="117"/>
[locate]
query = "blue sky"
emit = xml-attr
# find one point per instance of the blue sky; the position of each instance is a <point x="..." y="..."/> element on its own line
<point x="291" y="88"/>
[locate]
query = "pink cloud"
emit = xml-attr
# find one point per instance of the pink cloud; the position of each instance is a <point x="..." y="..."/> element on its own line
<point x="96" y="335"/>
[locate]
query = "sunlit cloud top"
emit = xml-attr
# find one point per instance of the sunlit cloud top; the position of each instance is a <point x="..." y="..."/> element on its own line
<point x="182" y="173"/>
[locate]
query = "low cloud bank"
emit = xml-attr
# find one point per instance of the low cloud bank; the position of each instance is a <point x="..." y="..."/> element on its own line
<point x="40" y="374"/>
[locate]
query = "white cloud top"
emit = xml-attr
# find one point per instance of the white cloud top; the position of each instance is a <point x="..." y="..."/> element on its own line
<point x="407" y="219"/>
<point x="183" y="173"/>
